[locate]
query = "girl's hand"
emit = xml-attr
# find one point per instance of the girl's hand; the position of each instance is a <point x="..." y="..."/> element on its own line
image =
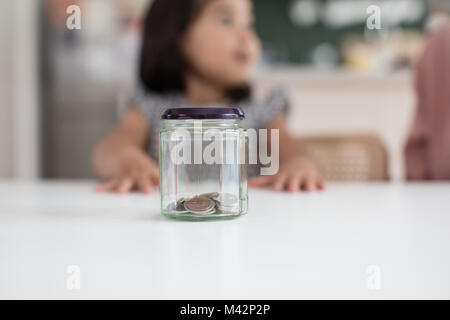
<point x="297" y="173"/>
<point x="136" y="171"/>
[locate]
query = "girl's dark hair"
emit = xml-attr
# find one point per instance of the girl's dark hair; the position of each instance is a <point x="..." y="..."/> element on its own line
<point x="162" y="64"/>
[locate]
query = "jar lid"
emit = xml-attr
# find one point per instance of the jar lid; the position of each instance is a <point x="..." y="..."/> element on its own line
<point x="203" y="113"/>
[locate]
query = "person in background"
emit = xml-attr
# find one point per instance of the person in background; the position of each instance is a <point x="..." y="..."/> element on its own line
<point x="427" y="151"/>
<point x="196" y="53"/>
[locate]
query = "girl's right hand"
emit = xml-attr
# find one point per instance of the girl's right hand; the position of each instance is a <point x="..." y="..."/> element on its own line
<point x="135" y="170"/>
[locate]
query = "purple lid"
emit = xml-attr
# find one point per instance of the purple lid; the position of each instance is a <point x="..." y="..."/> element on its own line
<point x="203" y="113"/>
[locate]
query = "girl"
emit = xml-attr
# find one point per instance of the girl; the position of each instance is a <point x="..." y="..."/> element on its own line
<point x="196" y="53"/>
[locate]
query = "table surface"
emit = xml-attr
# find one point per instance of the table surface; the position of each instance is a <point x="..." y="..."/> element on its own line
<point x="63" y="240"/>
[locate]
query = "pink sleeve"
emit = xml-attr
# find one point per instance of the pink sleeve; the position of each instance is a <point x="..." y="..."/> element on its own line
<point x="417" y="142"/>
<point x="433" y="100"/>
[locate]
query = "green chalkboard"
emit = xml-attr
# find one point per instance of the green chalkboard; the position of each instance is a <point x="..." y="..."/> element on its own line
<point x="287" y="42"/>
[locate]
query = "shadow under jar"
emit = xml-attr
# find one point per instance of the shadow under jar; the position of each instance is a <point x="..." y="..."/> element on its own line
<point x="202" y="162"/>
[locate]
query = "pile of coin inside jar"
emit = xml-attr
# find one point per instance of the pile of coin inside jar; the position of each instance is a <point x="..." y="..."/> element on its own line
<point x="207" y="204"/>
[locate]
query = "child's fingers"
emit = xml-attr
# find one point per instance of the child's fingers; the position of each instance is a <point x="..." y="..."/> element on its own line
<point x="156" y="174"/>
<point x="145" y="185"/>
<point x="125" y="185"/>
<point x="279" y="182"/>
<point x="321" y="184"/>
<point x="295" y="183"/>
<point x="154" y="179"/>
<point x="309" y="183"/>
<point x="259" y="181"/>
<point x="107" y="186"/>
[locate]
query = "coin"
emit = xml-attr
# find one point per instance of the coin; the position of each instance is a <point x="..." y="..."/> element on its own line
<point x="212" y="210"/>
<point x="206" y="204"/>
<point x="181" y="209"/>
<point x="180" y="201"/>
<point x="170" y="207"/>
<point x="227" y="202"/>
<point x="176" y="208"/>
<point x="200" y="205"/>
<point x="180" y="206"/>
<point x="211" y="195"/>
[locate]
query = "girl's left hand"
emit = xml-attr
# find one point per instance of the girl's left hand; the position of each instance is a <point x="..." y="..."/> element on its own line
<point x="297" y="173"/>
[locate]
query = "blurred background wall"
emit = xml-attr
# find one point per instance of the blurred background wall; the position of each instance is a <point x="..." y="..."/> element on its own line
<point x="6" y="142"/>
<point x="61" y="90"/>
<point x="20" y="111"/>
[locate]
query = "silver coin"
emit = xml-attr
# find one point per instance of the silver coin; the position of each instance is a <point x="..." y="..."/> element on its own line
<point x="173" y="207"/>
<point x="170" y="207"/>
<point x="180" y="206"/>
<point x="224" y="209"/>
<point x="211" y="195"/>
<point x="213" y="210"/>
<point x="181" y="209"/>
<point x="199" y="205"/>
<point x="180" y="201"/>
<point x="227" y="202"/>
<point x="205" y="213"/>
<point x="227" y="199"/>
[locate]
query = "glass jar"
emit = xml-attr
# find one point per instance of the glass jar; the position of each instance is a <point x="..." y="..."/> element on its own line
<point x="202" y="161"/>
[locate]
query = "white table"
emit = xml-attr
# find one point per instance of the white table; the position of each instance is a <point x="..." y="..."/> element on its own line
<point x="351" y="241"/>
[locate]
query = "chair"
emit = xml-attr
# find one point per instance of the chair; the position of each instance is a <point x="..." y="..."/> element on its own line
<point x="349" y="158"/>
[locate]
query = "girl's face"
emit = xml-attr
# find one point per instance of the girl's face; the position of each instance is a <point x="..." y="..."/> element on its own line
<point x="221" y="45"/>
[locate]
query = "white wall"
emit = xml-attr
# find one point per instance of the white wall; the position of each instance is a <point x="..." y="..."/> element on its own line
<point x="6" y="139"/>
<point x="19" y="120"/>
